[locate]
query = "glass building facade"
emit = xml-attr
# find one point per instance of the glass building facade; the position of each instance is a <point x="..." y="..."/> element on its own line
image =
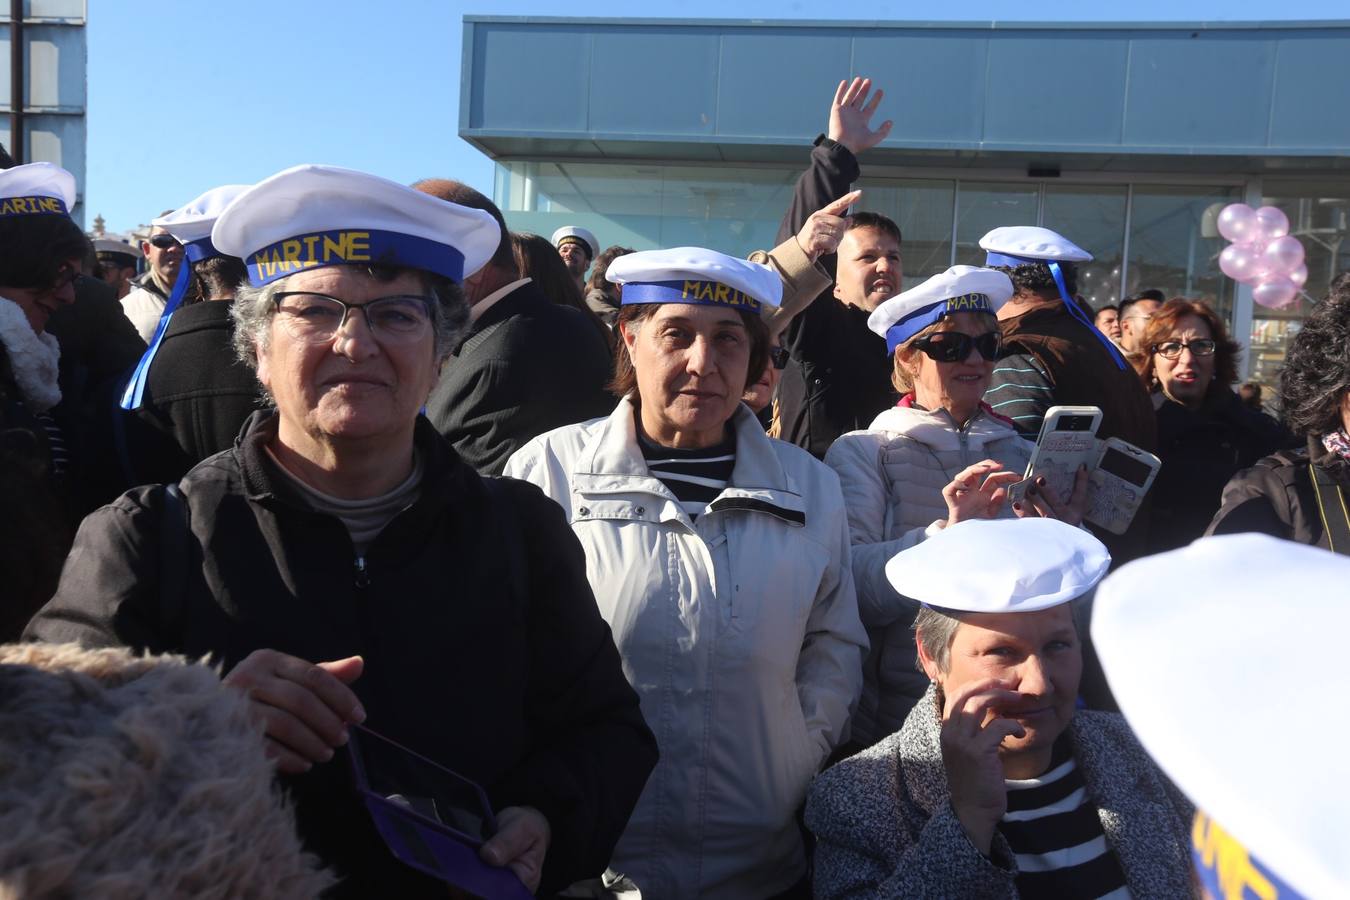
<point x="1144" y="231"/>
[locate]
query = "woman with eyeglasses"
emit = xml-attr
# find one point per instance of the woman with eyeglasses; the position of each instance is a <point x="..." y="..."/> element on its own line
<point x="1206" y="434"/>
<point x="343" y="565"/>
<point x="939" y="457"/>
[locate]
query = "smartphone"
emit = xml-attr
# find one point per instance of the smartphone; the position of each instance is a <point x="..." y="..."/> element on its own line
<point x="1121" y="477"/>
<point x="429" y="817"/>
<point x="1068" y="439"/>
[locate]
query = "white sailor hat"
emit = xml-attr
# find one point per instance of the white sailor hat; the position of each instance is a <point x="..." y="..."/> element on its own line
<point x="312" y="216"/>
<point x="36" y="189"/>
<point x="1227" y="658"/>
<point x="577" y="234"/>
<point x="105" y="248"/>
<point x="191" y="224"/>
<point x="1018" y="245"/>
<point x="1000" y="566"/>
<point x="694" y="275"/>
<point x="959" y="289"/>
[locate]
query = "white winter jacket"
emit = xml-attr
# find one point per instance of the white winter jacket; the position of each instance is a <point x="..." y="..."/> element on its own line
<point x="892" y="476"/>
<point x="739" y="631"/>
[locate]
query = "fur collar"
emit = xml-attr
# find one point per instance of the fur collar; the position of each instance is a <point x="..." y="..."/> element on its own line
<point x="33" y="358"/>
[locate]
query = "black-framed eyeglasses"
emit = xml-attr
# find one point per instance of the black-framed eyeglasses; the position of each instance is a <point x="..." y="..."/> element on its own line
<point x="1172" y="349"/>
<point x="164" y="240"/>
<point x="317" y="318"/>
<point x="953" y="346"/>
<point x="779" y="356"/>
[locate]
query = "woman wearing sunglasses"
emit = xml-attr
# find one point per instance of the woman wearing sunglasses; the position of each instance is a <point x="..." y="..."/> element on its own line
<point x="1205" y="433"/>
<point x="939" y="457"/>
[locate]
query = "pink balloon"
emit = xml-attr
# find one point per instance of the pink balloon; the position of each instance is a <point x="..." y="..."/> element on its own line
<point x="1237" y="222"/>
<point x="1275" y="292"/>
<point x="1240" y="263"/>
<point x="1283" y="255"/>
<point x="1299" y="276"/>
<point x="1271" y="223"/>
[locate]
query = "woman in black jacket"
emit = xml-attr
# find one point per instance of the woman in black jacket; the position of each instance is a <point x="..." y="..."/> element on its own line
<point x="1205" y="433"/>
<point x="1301" y="495"/>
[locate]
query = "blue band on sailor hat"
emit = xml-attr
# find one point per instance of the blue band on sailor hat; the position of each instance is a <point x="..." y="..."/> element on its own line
<point x="701" y="293"/>
<point x="917" y="321"/>
<point x="353" y="247"/>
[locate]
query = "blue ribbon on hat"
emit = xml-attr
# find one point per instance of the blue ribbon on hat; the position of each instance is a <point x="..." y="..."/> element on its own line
<point x="134" y="393"/>
<point x="917" y="321"/>
<point x="699" y="292"/>
<point x="1003" y="259"/>
<point x="200" y="249"/>
<point x="36" y="205"/>
<point x="353" y="246"/>
<point x="1227" y="869"/>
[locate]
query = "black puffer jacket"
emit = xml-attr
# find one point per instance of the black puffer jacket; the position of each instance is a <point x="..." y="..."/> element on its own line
<point x="1200" y="450"/>
<point x="483" y="646"/>
<point x="1276" y="496"/>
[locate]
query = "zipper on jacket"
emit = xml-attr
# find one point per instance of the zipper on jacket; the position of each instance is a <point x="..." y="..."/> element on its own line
<point x="361" y="576"/>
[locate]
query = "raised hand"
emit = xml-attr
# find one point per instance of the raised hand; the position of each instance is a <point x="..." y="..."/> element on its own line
<point x="851" y="115"/>
<point x="304" y="708"/>
<point x="970" y="756"/>
<point x="822" y="232"/>
<point x="977" y="492"/>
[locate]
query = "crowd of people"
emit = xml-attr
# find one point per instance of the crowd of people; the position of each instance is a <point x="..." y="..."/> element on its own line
<point x="535" y="567"/>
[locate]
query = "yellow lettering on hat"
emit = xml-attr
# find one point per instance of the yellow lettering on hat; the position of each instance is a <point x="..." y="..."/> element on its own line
<point x="51" y="205"/>
<point x="358" y="246"/>
<point x="722" y="294"/>
<point x="290" y="251"/>
<point x="705" y="291"/>
<point x="1230" y="861"/>
<point x="311" y="241"/>
<point x="689" y="286"/>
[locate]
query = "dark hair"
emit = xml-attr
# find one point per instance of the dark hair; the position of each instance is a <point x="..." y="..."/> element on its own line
<point x="1153" y="294"/>
<point x="874" y="220"/>
<point x="1316" y="373"/>
<point x="34" y="248"/>
<point x="1111" y="306"/>
<point x="1166" y="320"/>
<point x="536" y="258"/>
<point x="597" y="281"/>
<point x="462" y="194"/>
<point x="1036" y="278"/>
<point x="624" y="381"/>
<point x="214" y="277"/>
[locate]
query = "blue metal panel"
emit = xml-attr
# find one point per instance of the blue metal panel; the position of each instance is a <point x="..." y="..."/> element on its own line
<point x="934" y="83"/>
<point x="649" y="81"/>
<point x="529" y="79"/>
<point x="778" y="82"/>
<point x="1055" y="88"/>
<point x="1298" y="121"/>
<point x="1203" y="89"/>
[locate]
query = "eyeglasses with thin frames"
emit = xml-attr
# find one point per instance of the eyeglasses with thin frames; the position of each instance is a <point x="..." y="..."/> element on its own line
<point x="1172" y="349"/>
<point x="317" y="318"/>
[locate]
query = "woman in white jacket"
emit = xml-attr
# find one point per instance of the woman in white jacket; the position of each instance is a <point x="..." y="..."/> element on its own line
<point x="720" y="558"/>
<point x="940" y="456"/>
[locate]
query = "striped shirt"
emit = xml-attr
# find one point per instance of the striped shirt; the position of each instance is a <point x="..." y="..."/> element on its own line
<point x="1054" y="832"/>
<point x="695" y="477"/>
<point x="1020" y="390"/>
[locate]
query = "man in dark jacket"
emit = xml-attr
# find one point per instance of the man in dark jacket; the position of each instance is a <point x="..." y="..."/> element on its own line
<point x="526" y="366"/>
<point x="839" y="376"/>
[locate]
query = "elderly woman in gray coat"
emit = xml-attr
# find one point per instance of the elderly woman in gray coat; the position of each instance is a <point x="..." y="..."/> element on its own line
<point x="996" y="786"/>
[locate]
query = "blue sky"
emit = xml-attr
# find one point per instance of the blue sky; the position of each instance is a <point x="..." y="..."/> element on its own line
<point x="185" y="95"/>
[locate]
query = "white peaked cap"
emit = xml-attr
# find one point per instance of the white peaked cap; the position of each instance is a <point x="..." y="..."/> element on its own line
<point x="691" y="275"/>
<point x="1000" y="566"/>
<point x="1227" y="658"/>
<point x="312" y="216"/>
<point x="1030" y="243"/>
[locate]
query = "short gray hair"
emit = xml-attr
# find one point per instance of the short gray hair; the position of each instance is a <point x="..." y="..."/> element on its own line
<point x="254" y="308"/>
<point x="935" y="632"/>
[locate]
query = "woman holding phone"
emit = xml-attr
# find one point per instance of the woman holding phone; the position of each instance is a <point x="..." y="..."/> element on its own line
<point x="939" y="457"/>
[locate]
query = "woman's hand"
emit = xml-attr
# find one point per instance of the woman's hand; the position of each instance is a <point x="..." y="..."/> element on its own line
<point x="521" y="842"/>
<point x="304" y="707"/>
<point x="824" y="229"/>
<point x="970" y="757"/>
<point x="1040" y="501"/>
<point x="977" y="492"/>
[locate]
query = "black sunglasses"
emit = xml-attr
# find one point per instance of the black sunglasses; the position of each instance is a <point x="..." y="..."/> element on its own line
<point x="779" y="356"/>
<point x="953" y="346"/>
<point x="163" y="240"/>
